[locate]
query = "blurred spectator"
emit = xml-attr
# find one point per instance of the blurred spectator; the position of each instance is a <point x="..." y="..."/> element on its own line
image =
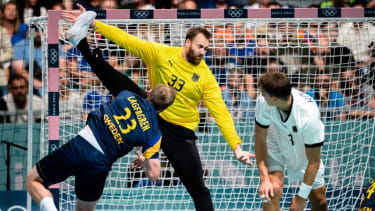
<point x="108" y="4"/>
<point x="326" y="58"/>
<point x="221" y="4"/>
<point x="243" y="45"/>
<point x="93" y="99"/>
<point x="20" y="63"/>
<point x="12" y="23"/>
<point x="274" y="5"/>
<point x="217" y="58"/>
<point x="70" y="102"/>
<point x="174" y="4"/>
<point x="256" y="5"/>
<point x="357" y="36"/>
<point x="33" y="8"/>
<point x="275" y="65"/>
<point x="188" y="5"/>
<point x="235" y="96"/>
<point x="6" y="54"/>
<point x="332" y="4"/>
<point x="16" y="101"/>
<point x="88" y="4"/>
<point x="330" y="31"/>
<point x="326" y="97"/>
<point x="68" y="4"/>
<point x="243" y="3"/>
<point x="359" y="95"/>
<point x="57" y="6"/>
<point x="133" y="69"/>
<point x="370" y="3"/>
<point x="256" y="65"/>
<point x="359" y="4"/>
<point x="224" y="32"/>
<point x="82" y="75"/>
<point x="139" y="5"/>
<point x="204" y="4"/>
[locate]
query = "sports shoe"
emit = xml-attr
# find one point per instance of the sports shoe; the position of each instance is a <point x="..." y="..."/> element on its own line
<point x="80" y="28"/>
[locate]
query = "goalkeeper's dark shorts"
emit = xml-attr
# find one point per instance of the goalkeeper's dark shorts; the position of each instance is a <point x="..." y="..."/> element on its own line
<point x="80" y="159"/>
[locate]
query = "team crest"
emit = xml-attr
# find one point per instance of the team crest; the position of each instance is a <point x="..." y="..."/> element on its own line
<point x="195" y="77"/>
<point x="295" y="129"/>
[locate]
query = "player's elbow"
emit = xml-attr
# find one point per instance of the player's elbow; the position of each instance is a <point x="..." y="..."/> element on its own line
<point x="153" y="169"/>
<point x="153" y="175"/>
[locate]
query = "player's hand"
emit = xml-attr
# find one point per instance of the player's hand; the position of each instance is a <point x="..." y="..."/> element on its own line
<point x="298" y="204"/>
<point x="139" y="161"/>
<point x="72" y="15"/>
<point x="243" y="156"/>
<point x="266" y="190"/>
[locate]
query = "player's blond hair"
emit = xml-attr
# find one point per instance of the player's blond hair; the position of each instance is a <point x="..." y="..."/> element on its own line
<point x="161" y="97"/>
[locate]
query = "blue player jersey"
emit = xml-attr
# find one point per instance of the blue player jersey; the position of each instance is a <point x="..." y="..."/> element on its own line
<point x="368" y="203"/>
<point x="125" y="122"/>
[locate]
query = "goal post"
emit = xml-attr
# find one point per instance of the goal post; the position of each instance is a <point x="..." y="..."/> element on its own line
<point x="320" y="49"/>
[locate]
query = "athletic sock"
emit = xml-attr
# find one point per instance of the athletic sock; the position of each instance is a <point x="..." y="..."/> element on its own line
<point x="47" y="204"/>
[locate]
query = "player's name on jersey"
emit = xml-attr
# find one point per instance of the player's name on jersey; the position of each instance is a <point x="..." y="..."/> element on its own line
<point x="142" y="119"/>
<point x="113" y="129"/>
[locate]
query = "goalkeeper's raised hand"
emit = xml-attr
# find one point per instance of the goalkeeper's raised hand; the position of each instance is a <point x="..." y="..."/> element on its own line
<point x="72" y="15"/>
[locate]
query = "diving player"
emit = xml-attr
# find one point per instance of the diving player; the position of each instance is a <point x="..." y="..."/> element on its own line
<point x="111" y="132"/>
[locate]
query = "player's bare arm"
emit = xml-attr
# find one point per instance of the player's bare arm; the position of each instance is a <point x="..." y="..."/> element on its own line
<point x="265" y="189"/>
<point x="313" y="157"/>
<point x="152" y="166"/>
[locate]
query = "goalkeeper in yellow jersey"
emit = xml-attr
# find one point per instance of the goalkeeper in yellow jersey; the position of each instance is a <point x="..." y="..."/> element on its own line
<point x="183" y="69"/>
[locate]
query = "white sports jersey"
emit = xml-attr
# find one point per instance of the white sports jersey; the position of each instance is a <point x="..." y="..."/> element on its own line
<point x="301" y="128"/>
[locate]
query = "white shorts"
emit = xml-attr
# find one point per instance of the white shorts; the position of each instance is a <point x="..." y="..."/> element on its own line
<point x="276" y="161"/>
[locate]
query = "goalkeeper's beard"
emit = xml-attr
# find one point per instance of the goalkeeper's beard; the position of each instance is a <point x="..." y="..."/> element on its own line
<point x="192" y="58"/>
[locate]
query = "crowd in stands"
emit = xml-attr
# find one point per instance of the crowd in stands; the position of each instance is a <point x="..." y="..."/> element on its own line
<point x="333" y="62"/>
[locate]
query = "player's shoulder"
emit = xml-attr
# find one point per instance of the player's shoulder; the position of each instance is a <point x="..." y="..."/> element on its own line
<point x="305" y="105"/>
<point x="166" y="48"/>
<point x="262" y="104"/>
<point x="260" y="99"/>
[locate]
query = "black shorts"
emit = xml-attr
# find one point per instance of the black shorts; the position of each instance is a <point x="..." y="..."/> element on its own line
<point x="80" y="159"/>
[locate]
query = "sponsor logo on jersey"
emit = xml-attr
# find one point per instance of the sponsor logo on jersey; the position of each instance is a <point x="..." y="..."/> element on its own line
<point x="195" y="77"/>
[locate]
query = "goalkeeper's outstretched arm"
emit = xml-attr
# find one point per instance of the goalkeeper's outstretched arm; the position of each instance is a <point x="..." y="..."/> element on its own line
<point x="112" y="79"/>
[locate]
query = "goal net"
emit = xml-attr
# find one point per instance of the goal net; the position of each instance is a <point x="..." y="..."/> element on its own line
<point x="327" y="53"/>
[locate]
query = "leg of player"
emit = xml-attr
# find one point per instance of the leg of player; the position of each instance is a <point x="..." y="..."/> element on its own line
<point x="40" y="194"/>
<point x="85" y="205"/>
<point x="277" y="180"/>
<point x="318" y="199"/>
<point x="106" y="73"/>
<point x="183" y="154"/>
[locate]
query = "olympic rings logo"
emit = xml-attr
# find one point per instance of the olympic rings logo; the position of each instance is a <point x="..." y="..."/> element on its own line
<point x="328" y="12"/>
<point x="53" y="56"/>
<point x="141" y="13"/>
<point x="235" y="13"/>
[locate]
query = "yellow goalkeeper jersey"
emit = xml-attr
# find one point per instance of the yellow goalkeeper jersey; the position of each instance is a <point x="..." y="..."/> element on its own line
<point x="193" y="83"/>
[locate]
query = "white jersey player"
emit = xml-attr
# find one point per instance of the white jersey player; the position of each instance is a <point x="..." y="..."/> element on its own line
<point x="288" y="133"/>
